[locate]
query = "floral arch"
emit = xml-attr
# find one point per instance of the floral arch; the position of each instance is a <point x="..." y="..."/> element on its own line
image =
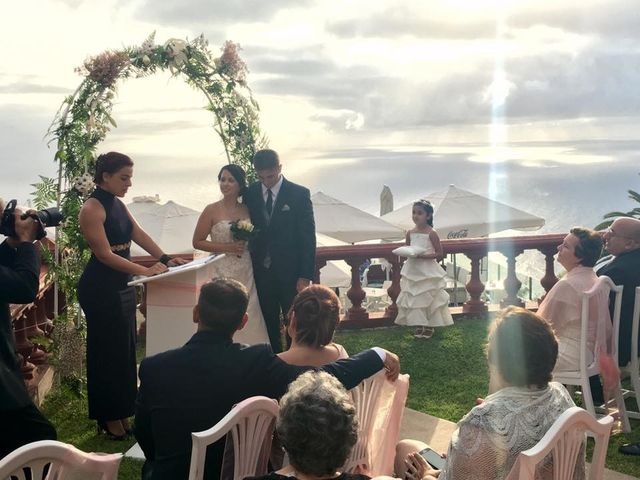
<point x="84" y="119"/>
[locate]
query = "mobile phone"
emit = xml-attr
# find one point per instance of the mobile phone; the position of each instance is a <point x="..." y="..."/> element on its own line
<point x="433" y="458"/>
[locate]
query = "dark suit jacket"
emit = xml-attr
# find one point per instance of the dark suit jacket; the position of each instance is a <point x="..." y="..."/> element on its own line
<point x="191" y="388"/>
<point x="290" y="237"/>
<point x="19" y="281"/>
<point x="624" y="270"/>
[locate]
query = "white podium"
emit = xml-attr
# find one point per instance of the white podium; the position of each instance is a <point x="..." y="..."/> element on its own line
<point x="171" y="297"/>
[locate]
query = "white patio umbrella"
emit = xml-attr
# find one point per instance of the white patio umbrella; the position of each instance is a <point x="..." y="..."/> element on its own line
<point x="342" y="221"/>
<point x="170" y="225"/>
<point x="460" y="214"/>
<point x="336" y="273"/>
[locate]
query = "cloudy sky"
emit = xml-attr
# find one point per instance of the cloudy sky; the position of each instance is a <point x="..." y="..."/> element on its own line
<point x="533" y="103"/>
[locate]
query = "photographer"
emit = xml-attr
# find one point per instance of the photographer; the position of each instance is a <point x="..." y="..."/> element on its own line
<point x="20" y="420"/>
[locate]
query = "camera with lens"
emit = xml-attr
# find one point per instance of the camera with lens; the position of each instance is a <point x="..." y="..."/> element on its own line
<point x="48" y="217"/>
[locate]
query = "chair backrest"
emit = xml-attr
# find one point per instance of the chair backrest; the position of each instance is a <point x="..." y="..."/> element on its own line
<point x="379" y="405"/>
<point x="595" y="303"/>
<point x="635" y="326"/>
<point x="251" y="423"/>
<point x="565" y="440"/>
<point x="48" y="459"/>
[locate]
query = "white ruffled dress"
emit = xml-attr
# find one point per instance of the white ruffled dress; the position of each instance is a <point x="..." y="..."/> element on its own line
<point x="423" y="300"/>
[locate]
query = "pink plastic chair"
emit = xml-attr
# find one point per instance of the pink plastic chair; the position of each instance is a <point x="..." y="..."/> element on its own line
<point x="380" y="406"/>
<point x="250" y="423"/>
<point x="565" y="440"/>
<point x="597" y="298"/>
<point x="632" y="369"/>
<point x="48" y="459"/>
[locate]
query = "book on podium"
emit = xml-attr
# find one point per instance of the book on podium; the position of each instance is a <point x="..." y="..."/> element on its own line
<point x="171" y="297"/>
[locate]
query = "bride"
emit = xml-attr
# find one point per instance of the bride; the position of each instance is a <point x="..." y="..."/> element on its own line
<point x="214" y="222"/>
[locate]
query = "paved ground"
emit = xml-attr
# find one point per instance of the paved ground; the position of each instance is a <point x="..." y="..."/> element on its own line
<point x="437" y="432"/>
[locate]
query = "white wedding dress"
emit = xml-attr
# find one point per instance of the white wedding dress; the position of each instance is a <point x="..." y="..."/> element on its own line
<point x="240" y="269"/>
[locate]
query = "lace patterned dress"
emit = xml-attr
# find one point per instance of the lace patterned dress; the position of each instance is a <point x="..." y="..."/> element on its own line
<point x="423" y="299"/>
<point x="490" y="437"/>
<point x="240" y="269"/>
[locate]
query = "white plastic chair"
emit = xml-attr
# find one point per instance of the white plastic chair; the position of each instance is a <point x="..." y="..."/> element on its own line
<point x="48" y="459"/>
<point x="580" y="377"/>
<point x="251" y="423"/>
<point x="632" y="368"/>
<point x="379" y="405"/>
<point x="565" y="439"/>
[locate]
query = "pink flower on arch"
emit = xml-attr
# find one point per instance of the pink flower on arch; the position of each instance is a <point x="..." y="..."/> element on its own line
<point x="230" y="63"/>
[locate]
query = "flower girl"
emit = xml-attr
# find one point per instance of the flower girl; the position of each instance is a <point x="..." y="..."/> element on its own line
<point x="423" y="301"/>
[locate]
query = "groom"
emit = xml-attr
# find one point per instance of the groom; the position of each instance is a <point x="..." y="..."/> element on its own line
<point x="284" y="251"/>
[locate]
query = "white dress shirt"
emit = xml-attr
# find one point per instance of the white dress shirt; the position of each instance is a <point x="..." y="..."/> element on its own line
<point x="274" y="191"/>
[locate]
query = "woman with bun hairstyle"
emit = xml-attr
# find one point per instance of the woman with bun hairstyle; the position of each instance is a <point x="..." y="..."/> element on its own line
<point x="312" y="319"/>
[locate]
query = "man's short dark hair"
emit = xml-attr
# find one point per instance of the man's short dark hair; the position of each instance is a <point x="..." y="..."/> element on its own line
<point x="222" y="304"/>
<point x="589" y="247"/>
<point x="266" y="159"/>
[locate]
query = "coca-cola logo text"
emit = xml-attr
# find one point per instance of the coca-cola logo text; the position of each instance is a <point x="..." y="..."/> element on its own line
<point x="459" y="234"/>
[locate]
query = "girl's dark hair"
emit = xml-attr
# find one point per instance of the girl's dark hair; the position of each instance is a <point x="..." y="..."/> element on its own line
<point x="238" y="174"/>
<point x="110" y="163"/>
<point x="317" y="312"/>
<point x="427" y="207"/>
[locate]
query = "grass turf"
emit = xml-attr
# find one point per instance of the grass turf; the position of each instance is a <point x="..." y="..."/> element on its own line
<point x="448" y="372"/>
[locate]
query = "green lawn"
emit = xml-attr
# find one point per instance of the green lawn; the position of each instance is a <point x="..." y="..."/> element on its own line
<point x="448" y="372"/>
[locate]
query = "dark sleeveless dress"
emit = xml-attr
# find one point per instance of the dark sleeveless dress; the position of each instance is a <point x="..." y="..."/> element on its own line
<point x="110" y="309"/>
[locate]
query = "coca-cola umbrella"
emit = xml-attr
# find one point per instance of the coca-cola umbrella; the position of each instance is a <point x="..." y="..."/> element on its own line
<point x="462" y="214"/>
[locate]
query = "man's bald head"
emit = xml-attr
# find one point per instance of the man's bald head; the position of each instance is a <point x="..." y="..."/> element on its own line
<point x="623" y="236"/>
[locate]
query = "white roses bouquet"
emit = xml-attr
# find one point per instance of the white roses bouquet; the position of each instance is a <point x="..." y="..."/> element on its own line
<point x="243" y="230"/>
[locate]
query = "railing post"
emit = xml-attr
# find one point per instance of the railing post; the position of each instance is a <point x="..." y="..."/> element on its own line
<point x="355" y="294"/>
<point x="43" y="321"/>
<point x="23" y="346"/>
<point x="319" y="265"/>
<point x="475" y="287"/>
<point x="549" y="279"/>
<point x="36" y="356"/>
<point x="394" y="290"/>
<point x="511" y="283"/>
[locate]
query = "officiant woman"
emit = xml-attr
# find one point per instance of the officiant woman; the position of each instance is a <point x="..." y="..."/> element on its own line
<point x="108" y="303"/>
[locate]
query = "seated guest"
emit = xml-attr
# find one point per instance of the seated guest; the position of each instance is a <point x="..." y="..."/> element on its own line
<point x="562" y="307"/>
<point x="622" y="240"/>
<point x="312" y="319"/>
<point x="521" y="406"/>
<point x="191" y="388"/>
<point x="318" y="428"/>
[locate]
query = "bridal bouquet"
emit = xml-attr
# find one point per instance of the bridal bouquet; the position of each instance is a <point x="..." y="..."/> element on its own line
<point x="243" y="230"/>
